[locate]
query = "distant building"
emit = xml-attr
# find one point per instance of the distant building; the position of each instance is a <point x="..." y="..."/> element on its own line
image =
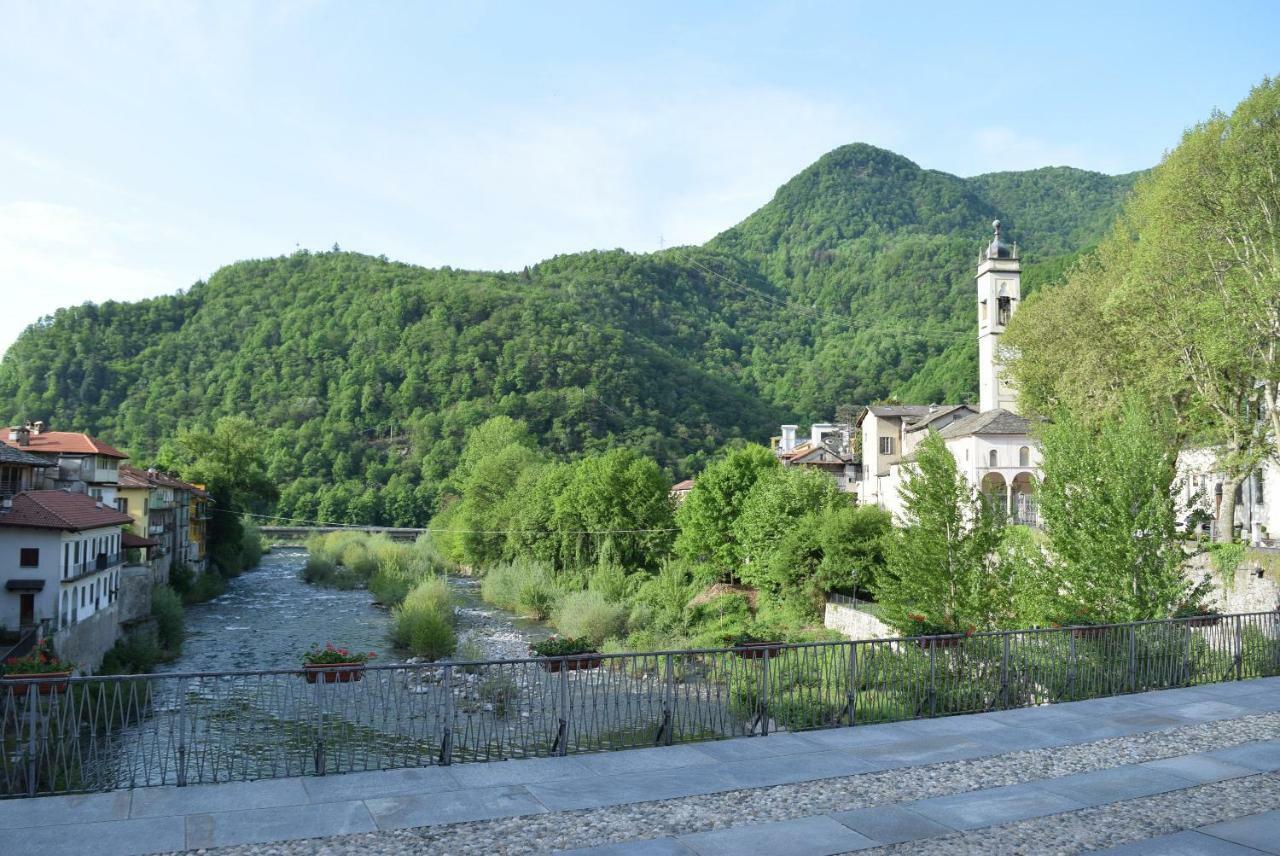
<point x="83" y="464"/>
<point x="827" y="449"/>
<point x="680" y="490"/>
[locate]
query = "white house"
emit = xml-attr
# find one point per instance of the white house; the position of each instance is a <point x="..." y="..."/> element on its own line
<point x="82" y="463"/>
<point x="61" y="557"/>
<point x="1201" y="483"/>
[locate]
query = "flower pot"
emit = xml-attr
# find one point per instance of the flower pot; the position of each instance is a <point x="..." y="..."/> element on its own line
<point x="1204" y="620"/>
<point x="50" y="682"/>
<point x="757" y="650"/>
<point x="333" y="673"/>
<point x="571" y="662"/>
<point x="927" y="642"/>
<point x="1089" y="632"/>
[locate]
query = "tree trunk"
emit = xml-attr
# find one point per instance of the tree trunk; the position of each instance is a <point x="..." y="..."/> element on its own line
<point x="1224" y="529"/>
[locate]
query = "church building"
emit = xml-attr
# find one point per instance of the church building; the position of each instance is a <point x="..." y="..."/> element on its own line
<point x="991" y="442"/>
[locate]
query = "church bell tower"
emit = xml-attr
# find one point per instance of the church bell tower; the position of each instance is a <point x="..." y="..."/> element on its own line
<point x="999" y="293"/>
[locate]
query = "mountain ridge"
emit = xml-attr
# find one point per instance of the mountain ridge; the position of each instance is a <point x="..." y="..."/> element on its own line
<point x="852" y="283"/>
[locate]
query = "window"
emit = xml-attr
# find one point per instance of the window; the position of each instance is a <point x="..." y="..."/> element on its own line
<point x="991" y="457"/>
<point x="1004" y="308"/>
<point x="983" y="311"/>
<point x="1024" y="457"/>
<point x="886" y="445"/>
<point x="122" y="505"/>
<point x="29" y="557"/>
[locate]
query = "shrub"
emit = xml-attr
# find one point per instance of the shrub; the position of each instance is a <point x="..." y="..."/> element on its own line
<point x="137" y="652"/>
<point x="423" y="624"/>
<point x="523" y="586"/>
<point x="166" y="609"/>
<point x="469" y="650"/>
<point x="589" y="615"/>
<point x="499" y="691"/>
<point x="182" y="578"/>
<point x="206" y="586"/>
<point x="319" y="569"/>
<point x="501" y="586"/>
<point x="251" y="544"/>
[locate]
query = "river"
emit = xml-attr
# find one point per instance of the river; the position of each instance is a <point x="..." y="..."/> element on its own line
<point x="268" y="617"/>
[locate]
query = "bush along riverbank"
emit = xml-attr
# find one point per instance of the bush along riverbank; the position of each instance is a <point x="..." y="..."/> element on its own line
<point x="409" y="579"/>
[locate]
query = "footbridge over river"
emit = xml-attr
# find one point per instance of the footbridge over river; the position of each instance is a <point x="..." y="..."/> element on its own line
<point x="395" y="533"/>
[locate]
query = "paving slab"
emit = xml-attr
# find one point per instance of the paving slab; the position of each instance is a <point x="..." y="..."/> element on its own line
<point x="643" y="760"/>
<point x="643" y="847"/>
<point x="110" y="838"/>
<point x="402" y="812"/>
<point x="1078" y="730"/>
<point x="54" y="811"/>
<point x="774" y="744"/>
<point x="891" y="824"/>
<point x="1263" y="756"/>
<point x="597" y="791"/>
<point x="1185" y="843"/>
<point x="1099" y="787"/>
<point x="1259" y="831"/>
<point x="519" y="772"/>
<point x="261" y="825"/>
<point x="994" y="806"/>
<point x="785" y="769"/>
<point x="359" y="786"/>
<point x="926" y="750"/>
<point x="1207" y="711"/>
<point x="809" y="836"/>
<point x="232" y="796"/>
<point x="1200" y="769"/>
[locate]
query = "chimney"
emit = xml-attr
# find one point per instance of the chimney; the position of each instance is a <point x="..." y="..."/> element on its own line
<point x="37" y="428"/>
<point x="788" y="437"/>
<point x="20" y="434"/>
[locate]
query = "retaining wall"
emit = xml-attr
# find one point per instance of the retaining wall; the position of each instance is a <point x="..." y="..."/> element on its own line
<point x="855" y="624"/>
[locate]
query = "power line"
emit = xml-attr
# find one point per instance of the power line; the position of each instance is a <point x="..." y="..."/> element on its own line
<point x="362" y="526"/>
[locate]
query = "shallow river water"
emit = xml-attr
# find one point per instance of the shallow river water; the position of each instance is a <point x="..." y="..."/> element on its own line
<point x="268" y="617"/>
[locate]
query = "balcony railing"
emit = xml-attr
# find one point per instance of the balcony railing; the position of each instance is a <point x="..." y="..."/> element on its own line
<point x="218" y="726"/>
<point x="103" y="562"/>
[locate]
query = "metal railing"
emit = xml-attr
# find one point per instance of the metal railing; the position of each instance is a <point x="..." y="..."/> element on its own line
<point x="86" y="734"/>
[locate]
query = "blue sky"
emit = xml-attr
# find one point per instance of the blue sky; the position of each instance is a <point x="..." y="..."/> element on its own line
<point x="143" y="145"/>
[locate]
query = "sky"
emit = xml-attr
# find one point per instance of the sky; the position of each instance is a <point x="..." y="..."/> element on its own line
<point x="145" y="145"/>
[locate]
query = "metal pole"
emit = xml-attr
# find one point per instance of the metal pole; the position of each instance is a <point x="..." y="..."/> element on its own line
<point x="1071" y="665"/>
<point x="764" y="696"/>
<point x="933" y="689"/>
<point x="1186" y="654"/>
<point x="1239" y="647"/>
<point x="446" y="737"/>
<point x="1004" y="674"/>
<point x="182" y="733"/>
<point x="1133" y="659"/>
<point x="562" y="739"/>
<point x="853" y="683"/>
<point x="319" y="744"/>
<point x="669" y="706"/>
<point x="33" y="714"/>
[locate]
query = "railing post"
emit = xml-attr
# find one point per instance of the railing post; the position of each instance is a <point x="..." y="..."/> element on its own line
<point x="764" y="696"/>
<point x="1239" y="647"/>
<point x="933" y="689"/>
<point x="446" y="736"/>
<point x="1186" y="653"/>
<point x="319" y="744"/>
<point x="1004" y="673"/>
<point x="182" y="733"/>
<point x="1133" y="658"/>
<point x="1071" y="664"/>
<point x="33" y="714"/>
<point x="853" y="683"/>
<point x="669" y="704"/>
<point x="562" y="738"/>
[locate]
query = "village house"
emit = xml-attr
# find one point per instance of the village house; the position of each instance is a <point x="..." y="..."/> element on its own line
<point x="61" y="554"/>
<point x="170" y="513"/>
<point x="82" y="463"/>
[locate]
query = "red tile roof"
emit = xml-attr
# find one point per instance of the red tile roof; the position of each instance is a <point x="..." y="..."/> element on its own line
<point x="60" y="509"/>
<point x="130" y="541"/>
<point x="687" y="484"/>
<point x="66" y="442"/>
<point x="134" y="477"/>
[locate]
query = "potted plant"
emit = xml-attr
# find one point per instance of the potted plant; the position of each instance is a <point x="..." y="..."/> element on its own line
<point x="40" y="669"/>
<point x="1197" y="615"/>
<point x="557" y="652"/>
<point x="751" y="647"/>
<point x="338" y="665"/>
<point x="932" y="634"/>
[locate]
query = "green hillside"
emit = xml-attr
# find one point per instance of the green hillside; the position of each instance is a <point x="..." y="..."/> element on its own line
<point x="852" y="284"/>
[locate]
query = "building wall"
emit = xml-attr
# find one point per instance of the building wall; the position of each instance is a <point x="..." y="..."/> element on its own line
<point x="135" y="594"/>
<point x="87" y="642"/>
<point x="854" y="623"/>
<point x="48" y="542"/>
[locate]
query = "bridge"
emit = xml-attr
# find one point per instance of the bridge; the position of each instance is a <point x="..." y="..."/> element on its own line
<point x="395" y="533"/>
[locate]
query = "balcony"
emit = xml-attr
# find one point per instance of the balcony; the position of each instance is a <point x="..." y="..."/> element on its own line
<point x="104" y="561"/>
<point x="158" y="503"/>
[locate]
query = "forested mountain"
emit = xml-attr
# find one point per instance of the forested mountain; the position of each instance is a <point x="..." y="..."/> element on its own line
<point x="854" y="283"/>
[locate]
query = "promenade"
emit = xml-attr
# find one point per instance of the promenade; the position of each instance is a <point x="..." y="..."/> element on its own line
<point x="1193" y="770"/>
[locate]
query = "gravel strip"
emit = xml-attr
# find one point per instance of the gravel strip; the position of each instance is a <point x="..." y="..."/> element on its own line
<point x="591" y="827"/>
<point x="1109" y="825"/>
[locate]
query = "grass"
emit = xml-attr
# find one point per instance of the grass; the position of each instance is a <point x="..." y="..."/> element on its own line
<point x="423" y="624"/>
<point x="388" y="569"/>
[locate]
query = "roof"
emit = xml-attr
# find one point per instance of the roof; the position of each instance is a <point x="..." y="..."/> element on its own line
<point x="130" y="541"/>
<point x="66" y="443"/>
<point x="938" y="412"/>
<point x="133" y="477"/>
<point x="900" y="409"/>
<point x="998" y="421"/>
<point x="11" y="455"/>
<point x="687" y="484"/>
<point x="829" y="445"/>
<point x="60" y="509"/>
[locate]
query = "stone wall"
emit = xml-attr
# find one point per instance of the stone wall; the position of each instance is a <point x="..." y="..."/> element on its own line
<point x="1248" y="590"/>
<point x="134" y="603"/>
<point x="854" y="623"/>
<point x="85" y="643"/>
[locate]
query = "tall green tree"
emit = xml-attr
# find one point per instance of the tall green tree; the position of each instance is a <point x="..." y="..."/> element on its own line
<point x="707" y="515"/>
<point x="1108" y="508"/>
<point x="942" y="563"/>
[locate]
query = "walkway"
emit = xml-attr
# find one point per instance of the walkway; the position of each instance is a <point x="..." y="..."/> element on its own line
<point x="1178" y="771"/>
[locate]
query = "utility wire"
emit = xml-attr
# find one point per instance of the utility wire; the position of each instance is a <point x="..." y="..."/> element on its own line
<point x="331" y="525"/>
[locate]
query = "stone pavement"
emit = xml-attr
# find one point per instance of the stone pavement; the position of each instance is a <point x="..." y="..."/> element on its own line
<point x="1193" y="770"/>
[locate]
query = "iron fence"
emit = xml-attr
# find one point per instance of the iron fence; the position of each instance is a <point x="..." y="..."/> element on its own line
<point x="84" y="734"/>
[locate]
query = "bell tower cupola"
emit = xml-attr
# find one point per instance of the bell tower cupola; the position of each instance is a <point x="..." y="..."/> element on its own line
<point x="999" y="293"/>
